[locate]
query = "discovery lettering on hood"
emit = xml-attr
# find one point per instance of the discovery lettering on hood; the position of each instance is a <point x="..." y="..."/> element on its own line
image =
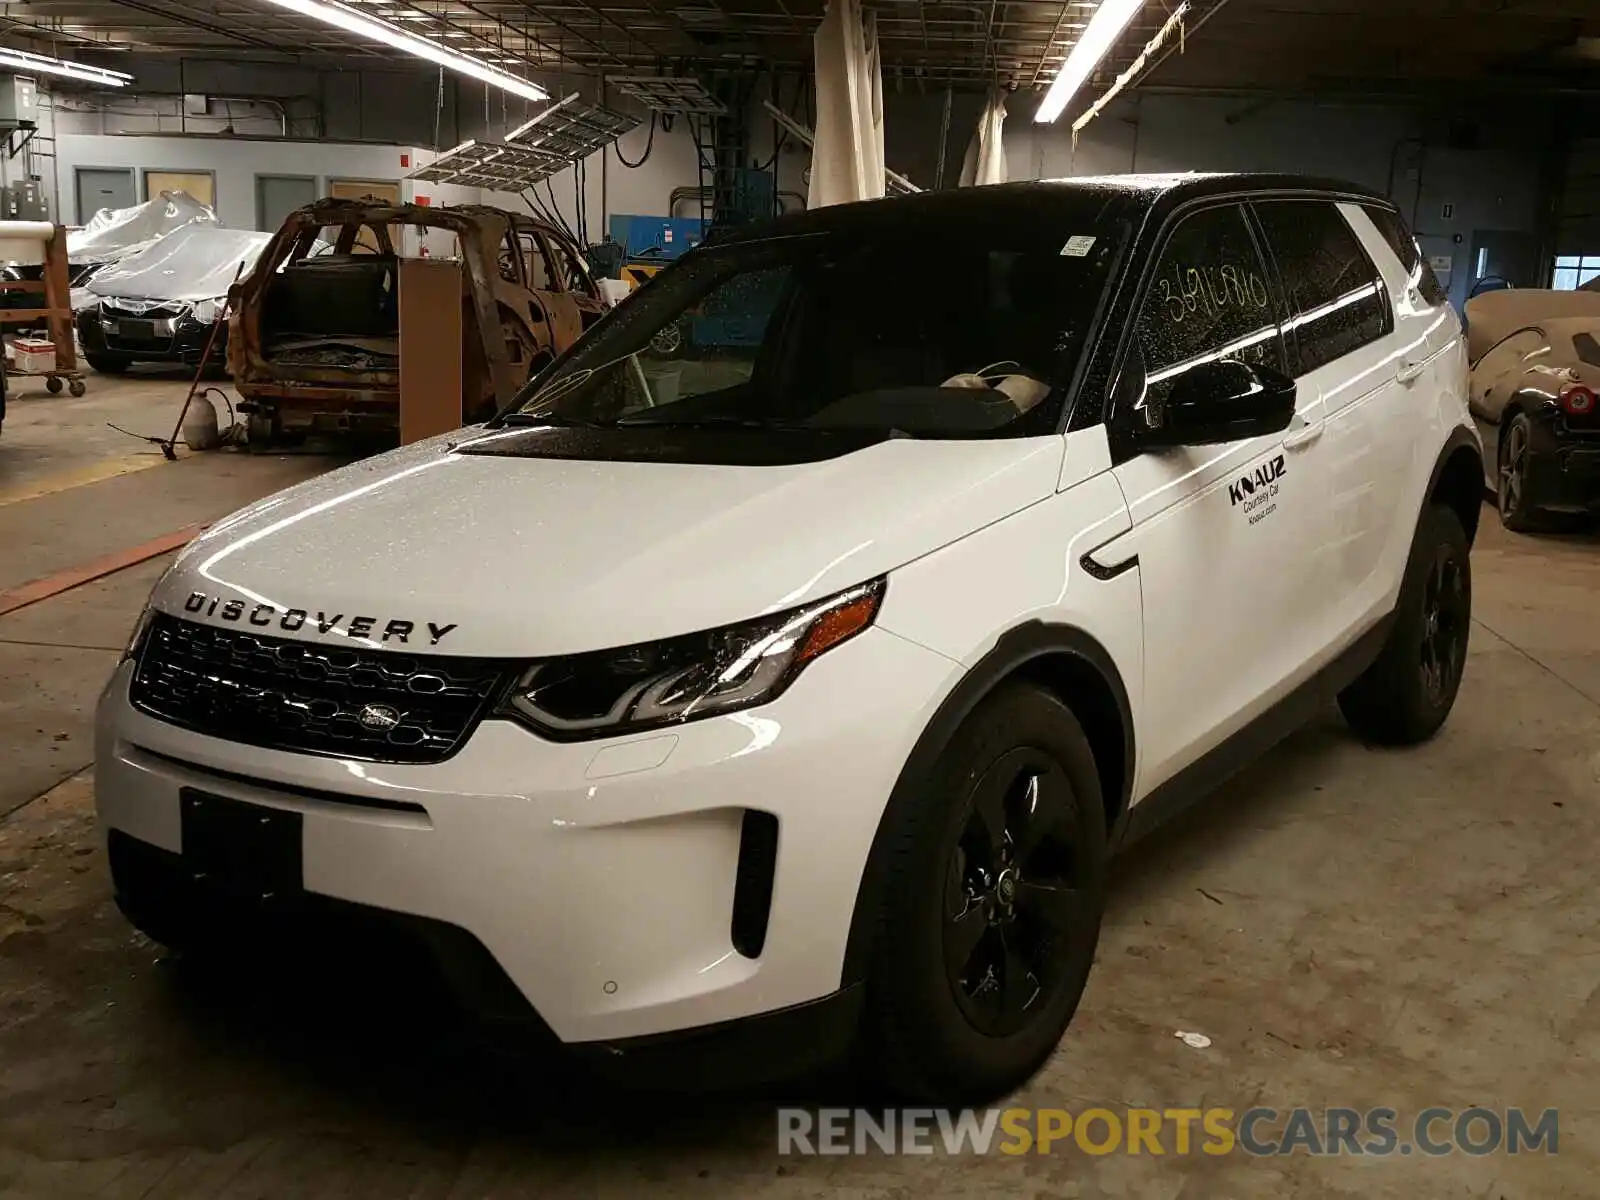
<point x="293" y="620"/>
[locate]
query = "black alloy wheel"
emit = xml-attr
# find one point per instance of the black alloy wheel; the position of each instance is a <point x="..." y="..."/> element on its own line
<point x="1446" y="612"/>
<point x="1404" y="696"/>
<point x="1013" y="914"/>
<point x="1512" y="498"/>
<point x="996" y="861"/>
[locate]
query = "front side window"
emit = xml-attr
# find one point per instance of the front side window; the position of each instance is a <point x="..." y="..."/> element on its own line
<point x="1208" y="299"/>
<point x="1338" y="303"/>
<point x="846" y="330"/>
<point x="570" y="270"/>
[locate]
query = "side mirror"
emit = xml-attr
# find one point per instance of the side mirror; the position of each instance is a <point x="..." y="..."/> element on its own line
<point x="1222" y="401"/>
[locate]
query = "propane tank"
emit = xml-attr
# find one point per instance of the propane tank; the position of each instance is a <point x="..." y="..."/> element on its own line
<point x="200" y="424"/>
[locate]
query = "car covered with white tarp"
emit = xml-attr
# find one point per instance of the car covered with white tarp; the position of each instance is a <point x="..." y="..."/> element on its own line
<point x="160" y="304"/>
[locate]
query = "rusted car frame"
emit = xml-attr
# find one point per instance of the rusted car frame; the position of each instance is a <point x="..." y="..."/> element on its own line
<point x="528" y="296"/>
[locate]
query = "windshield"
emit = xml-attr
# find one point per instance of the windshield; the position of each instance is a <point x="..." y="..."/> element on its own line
<point x="967" y="332"/>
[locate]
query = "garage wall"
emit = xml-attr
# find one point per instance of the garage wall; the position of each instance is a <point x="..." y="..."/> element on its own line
<point x="352" y="101"/>
<point x="1578" y="208"/>
<point x="1490" y="183"/>
<point x="236" y="161"/>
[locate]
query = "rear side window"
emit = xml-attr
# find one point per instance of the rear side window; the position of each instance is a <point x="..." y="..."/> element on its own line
<point x="1336" y="298"/>
<point x="1207" y="299"/>
<point x="1393" y="228"/>
<point x="1588" y="349"/>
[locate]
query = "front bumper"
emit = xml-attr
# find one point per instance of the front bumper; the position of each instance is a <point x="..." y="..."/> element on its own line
<point x="599" y="877"/>
<point x="177" y="340"/>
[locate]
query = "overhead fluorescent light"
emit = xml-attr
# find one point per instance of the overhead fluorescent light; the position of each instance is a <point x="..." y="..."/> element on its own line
<point x="1105" y="27"/>
<point x="21" y="60"/>
<point x="344" y="17"/>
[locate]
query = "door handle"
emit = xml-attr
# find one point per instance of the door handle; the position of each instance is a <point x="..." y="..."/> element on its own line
<point x="1408" y="372"/>
<point x="1299" y="439"/>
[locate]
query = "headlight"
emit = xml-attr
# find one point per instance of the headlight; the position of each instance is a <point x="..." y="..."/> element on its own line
<point x="205" y="311"/>
<point x="609" y="692"/>
<point x="140" y="628"/>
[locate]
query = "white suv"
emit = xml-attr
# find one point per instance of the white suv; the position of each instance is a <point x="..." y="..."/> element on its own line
<point x="789" y="693"/>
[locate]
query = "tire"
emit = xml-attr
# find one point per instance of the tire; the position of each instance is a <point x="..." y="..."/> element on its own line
<point x="108" y="364"/>
<point x="1511" y="492"/>
<point x="52" y="384"/>
<point x="1511" y="495"/>
<point x="262" y="431"/>
<point x="77" y="387"/>
<point x="940" y="1024"/>
<point x="1406" y="694"/>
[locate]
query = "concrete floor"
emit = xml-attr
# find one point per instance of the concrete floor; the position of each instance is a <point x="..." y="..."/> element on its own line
<point x="1349" y="927"/>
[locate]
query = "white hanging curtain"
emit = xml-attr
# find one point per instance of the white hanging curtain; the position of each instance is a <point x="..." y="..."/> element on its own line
<point x="847" y="159"/>
<point x="986" y="153"/>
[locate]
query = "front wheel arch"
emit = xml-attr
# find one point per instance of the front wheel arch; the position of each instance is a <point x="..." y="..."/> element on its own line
<point x="1065" y="660"/>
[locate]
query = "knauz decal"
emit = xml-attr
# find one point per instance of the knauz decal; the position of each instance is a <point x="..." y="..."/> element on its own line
<point x="292" y="620"/>
<point x="1257" y="492"/>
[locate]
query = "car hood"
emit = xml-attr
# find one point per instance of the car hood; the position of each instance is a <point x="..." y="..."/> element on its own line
<point x="526" y="557"/>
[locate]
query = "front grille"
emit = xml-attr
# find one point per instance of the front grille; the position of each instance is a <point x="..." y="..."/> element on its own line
<point x="309" y="698"/>
<point x="149" y="310"/>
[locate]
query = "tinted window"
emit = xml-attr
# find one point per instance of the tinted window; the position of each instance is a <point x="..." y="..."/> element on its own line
<point x="1208" y="299"/>
<point x="1393" y="228"/>
<point x="1337" y="301"/>
<point x="794" y="331"/>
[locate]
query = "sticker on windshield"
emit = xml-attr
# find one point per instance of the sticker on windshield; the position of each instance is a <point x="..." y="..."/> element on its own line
<point x="1078" y="246"/>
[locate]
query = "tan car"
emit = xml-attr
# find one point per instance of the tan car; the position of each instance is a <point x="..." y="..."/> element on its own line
<point x="313" y="339"/>
<point x="1536" y="397"/>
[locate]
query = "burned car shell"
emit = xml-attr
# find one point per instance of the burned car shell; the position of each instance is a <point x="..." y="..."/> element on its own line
<point x="1534" y="389"/>
<point x="528" y="296"/>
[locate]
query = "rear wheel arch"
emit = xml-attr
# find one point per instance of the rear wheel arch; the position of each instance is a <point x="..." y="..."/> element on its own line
<point x="1067" y="662"/>
<point x="1458" y="480"/>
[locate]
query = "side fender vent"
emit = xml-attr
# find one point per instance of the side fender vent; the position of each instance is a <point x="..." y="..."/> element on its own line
<point x="752" y="889"/>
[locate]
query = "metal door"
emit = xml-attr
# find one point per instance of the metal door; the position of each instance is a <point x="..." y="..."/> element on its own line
<point x="1503" y="254"/>
<point x="103" y="187"/>
<point x="279" y="195"/>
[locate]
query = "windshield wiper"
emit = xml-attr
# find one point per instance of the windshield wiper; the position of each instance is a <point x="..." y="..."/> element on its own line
<point x="523" y="420"/>
<point x="718" y="421"/>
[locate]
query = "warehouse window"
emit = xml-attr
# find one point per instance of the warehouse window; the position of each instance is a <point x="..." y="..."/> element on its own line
<point x="1573" y="271"/>
<point x="1338" y="300"/>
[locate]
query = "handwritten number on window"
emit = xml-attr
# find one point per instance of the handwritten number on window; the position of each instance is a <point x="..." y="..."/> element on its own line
<point x="1210" y="290"/>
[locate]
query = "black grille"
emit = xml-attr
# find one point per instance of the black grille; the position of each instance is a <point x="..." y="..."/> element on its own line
<point x="308" y="698"/>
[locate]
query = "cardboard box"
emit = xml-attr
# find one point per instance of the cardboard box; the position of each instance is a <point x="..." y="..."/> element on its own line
<point x="33" y="356"/>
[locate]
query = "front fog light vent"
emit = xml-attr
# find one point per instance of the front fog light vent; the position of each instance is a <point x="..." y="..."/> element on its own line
<point x="752" y="889"/>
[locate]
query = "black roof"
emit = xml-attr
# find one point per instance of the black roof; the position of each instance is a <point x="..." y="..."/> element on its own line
<point x="1119" y="195"/>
